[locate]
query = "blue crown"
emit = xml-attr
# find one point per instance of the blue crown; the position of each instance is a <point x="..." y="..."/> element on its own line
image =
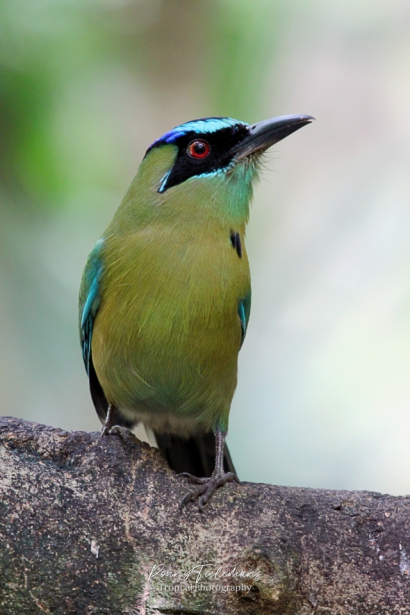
<point x="204" y="125"/>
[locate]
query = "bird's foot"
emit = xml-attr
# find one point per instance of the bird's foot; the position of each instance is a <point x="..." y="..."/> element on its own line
<point x="207" y="487"/>
<point x="110" y="427"/>
<point x="115" y="430"/>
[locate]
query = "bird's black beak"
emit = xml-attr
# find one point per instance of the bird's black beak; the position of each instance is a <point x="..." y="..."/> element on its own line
<point x="264" y="134"/>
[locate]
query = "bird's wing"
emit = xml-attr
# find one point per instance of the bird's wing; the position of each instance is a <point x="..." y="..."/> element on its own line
<point x="244" y="312"/>
<point x="90" y="299"/>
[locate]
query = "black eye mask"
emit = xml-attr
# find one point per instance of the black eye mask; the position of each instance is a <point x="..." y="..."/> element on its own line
<point x="221" y="143"/>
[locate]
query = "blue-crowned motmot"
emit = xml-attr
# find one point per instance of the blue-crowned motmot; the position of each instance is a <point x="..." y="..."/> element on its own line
<point x="166" y="294"/>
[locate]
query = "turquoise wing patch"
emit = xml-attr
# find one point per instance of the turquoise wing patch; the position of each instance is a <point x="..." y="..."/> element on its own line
<point x="90" y="299"/>
<point x="244" y="312"/>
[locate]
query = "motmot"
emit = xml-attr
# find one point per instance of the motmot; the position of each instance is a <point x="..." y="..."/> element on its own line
<point x="165" y="296"/>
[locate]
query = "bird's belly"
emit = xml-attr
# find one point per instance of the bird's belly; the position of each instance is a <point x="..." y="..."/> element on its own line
<point x="166" y="353"/>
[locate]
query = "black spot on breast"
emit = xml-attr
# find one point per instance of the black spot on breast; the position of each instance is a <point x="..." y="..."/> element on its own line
<point x="236" y="243"/>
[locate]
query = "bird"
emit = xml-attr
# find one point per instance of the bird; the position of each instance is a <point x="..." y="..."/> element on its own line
<point x="165" y="295"/>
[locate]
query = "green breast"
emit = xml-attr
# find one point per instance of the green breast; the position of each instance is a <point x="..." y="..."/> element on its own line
<point x="167" y="334"/>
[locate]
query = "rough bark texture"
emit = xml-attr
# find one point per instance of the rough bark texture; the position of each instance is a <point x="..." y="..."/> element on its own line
<point x="88" y="525"/>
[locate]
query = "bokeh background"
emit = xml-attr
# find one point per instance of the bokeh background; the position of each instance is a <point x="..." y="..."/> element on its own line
<point x="86" y="85"/>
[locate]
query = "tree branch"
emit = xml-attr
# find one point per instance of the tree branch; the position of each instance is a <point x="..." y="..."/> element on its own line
<point x="89" y="525"/>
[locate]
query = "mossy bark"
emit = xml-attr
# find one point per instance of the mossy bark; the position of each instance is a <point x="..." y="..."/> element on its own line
<point x="93" y="526"/>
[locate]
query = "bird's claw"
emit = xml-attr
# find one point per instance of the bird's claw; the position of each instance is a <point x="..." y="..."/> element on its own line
<point x="115" y="430"/>
<point x="207" y="488"/>
<point x="193" y="479"/>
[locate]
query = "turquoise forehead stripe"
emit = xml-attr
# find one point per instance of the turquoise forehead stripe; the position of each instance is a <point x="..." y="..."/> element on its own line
<point x="208" y="125"/>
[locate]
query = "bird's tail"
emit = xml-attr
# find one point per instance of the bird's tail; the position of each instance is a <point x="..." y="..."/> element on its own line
<point x="194" y="455"/>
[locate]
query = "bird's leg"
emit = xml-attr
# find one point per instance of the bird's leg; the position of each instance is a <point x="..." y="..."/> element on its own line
<point x="109" y="421"/>
<point x="218" y="478"/>
<point x="110" y="427"/>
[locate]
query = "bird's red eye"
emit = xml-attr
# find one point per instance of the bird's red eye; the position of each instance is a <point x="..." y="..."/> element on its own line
<point x="199" y="149"/>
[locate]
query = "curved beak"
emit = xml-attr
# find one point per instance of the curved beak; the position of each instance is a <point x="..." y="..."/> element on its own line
<point x="263" y="135"/>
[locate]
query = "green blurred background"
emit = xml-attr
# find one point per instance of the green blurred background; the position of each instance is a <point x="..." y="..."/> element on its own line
<point x="86" y="85"/>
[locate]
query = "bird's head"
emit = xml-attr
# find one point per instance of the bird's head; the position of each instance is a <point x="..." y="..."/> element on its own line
<point x="210" y="163"/>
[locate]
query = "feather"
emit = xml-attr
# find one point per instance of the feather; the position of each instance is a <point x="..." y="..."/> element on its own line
<point x="244" y="312"/>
